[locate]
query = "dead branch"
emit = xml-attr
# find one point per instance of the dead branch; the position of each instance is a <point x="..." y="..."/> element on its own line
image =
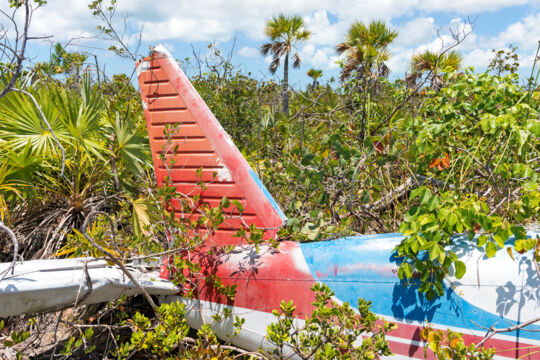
<point x="18" y="53"/>
<point x="15" y="250"/>
<point x="92" y="214"/>
<point x="88" y="284"/>
<point x="402" y="190"/>
<point x="493" y="331"/>
<point x="107" y="14"/>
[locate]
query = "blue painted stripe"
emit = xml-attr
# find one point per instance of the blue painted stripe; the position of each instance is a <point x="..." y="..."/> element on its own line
<point x="268" y="196"/>
<point x="365" y="266"/>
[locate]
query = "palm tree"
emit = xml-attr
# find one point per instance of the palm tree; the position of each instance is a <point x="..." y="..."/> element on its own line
<point x="314" y="74"/>
<point x="433" y="62"/>
<point x="284" y="32"/>
<point x="366" y="49"/>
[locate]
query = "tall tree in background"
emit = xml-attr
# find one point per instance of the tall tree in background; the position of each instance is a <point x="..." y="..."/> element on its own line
<point x="433" y="62"/>
<point x="366" y="49"/>
<point x="314" y="74"/>
<point x="284" y="32"/>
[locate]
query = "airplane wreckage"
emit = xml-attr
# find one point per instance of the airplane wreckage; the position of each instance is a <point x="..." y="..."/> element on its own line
<point x="353" y="267"/>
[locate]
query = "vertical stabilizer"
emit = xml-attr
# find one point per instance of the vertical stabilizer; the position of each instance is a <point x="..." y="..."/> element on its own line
<point x="204" y="151"/>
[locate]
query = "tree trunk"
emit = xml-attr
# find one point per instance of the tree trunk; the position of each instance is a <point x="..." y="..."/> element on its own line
<point x="285" y="89"/>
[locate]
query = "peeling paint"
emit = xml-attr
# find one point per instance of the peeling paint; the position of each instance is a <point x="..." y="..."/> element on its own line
<point x="160" y="48"/>
<point x="144" y="65"/>
<point x="223" y="174"/>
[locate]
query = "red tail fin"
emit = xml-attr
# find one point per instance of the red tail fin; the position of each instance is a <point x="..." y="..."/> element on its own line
<point x="202" y="146"/>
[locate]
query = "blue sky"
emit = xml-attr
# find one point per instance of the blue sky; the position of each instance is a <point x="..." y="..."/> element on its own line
<point x="180" y="25"/>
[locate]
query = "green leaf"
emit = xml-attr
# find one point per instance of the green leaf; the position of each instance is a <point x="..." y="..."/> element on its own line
<point x="238" y="206"/>
<point x="499" y="239"/>
<point x="416" y="192"/>
<point x="412" y="214"/>
<point x="434" y="252"/>
<point x="530" y="186"/>
<point x="225" y="203"/>
<point x="307" y="157"/>
<point x="433" y="202"/>
<point x="491" y="249"/>
<point x="426" y="196"/>
<point x="442" y="256"/>
<point x="534" y="126"/>
<point x="523" y="136"/>
<point x="405" y="271"/>
<point x="482" y="239"/>
<point x="519" y="232"/>
<point x="144" y="214"/>
<point x="460" y="269"/>
<point x="452" y="220"/>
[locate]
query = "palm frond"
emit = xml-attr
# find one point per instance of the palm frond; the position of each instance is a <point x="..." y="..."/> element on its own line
<point x="366" y="46"/>
<point x="296" y="60"/>
<point x="274" y="65"/>
<point x="131" y="146"/>
<point x="21" y="124"/>
<point x="266" y="48"/>
<point x="342" y="47"/>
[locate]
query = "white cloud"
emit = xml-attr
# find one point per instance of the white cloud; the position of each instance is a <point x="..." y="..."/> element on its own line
<point x="308" y="50"/>
<point x="208" y="20"/>
<point x="416" y="31"/>
<point x="324" y="32"/>
<point x="478" y="58"/>
<point x="221" y="19"/>
<point x="524" y="33"/>
<point x="468" y="6"/>
<point x="61" y="21"/>
<point x="248" y="51"/>
<point x="400" y="59"/>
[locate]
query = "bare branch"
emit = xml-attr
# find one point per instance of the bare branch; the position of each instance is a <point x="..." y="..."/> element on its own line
<point x="93" y="213"/>
<point x="493" y="331"/>
<point x="19" y="55"/>
<point x="15" y="249"/>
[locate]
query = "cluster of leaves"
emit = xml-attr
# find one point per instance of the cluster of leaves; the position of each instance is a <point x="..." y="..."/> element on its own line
<point x="450" y="345"/>
<point x="59" y="175"/>
<point x="331" y="331"/>
<point x="493" y="147"/>
<point x="16" y="337"/>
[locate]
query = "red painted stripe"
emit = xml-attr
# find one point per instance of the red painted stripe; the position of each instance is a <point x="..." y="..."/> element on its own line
<point x="182" y="132"/>
<point x="164" y="102"/>
<point x="149" y="76"/>
<point x="185" y="145"/>
<point x="201" y="143"/>
<point x="412" y="332"/>
<point x="158" y="89"/>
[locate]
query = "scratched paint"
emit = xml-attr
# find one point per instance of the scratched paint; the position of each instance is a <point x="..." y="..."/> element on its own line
<point x="372" y="276"/>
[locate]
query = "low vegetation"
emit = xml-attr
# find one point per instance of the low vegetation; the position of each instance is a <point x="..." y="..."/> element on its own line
<point x="445" y="150"/>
